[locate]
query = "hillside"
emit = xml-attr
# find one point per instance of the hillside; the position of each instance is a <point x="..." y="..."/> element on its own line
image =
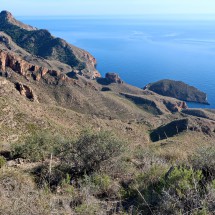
<point x="178" y="90"/>
<point x="41" y="43"/>
<point x="73" y="142"/>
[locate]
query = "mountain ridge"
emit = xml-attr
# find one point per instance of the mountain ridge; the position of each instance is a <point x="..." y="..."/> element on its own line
<point x="40" y="42"/>
<point x="8" y="17"/>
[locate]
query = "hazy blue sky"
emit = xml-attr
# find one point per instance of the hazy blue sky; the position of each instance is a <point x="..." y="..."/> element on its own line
<point x="107" y="7"/>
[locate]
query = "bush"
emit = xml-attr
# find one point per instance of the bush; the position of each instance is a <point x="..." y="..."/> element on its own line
<point x="103" y="182"/>
<point x="183" y="193"/>
<point x="181" y="179"/>
<point x="147" y="188"/>
<point x="176" y="191"/>
<point x="102" y="186"/>
<point x="2" y="161"/>
<point x="91" y="150"/>
<point x="44" y="178"/>
<point x="38" y="147"/>
<point x="204" y="159"/>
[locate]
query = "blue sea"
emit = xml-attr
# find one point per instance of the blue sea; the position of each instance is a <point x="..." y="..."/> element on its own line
<point x="143" y="50"/>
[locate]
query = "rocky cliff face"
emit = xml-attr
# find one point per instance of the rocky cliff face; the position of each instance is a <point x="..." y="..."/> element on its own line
<point x="176" y="127"/>
<point x="24" y="68"/>
<point x="42" y="44"/>
<point x="178" y="90"/>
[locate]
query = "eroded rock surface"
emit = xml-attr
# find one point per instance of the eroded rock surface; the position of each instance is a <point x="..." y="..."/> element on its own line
<point x="26" y="91"/>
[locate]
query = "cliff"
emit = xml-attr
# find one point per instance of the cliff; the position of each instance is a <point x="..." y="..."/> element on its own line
<point x="178" y="90"/>
<point x="41" y="43"/>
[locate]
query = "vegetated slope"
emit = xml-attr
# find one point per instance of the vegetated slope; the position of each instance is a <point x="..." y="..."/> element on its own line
<point x="179" y="90"/>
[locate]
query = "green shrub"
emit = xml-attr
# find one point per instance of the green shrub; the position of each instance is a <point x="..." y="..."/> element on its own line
<point x="38" y="147"/>
<point x="204" y="159"/>
<point x="183" y="193"/>
<point x="101" y="185"/>
<point x="176" y="191"/>
<point x="87" y="154"/>
<point x="102" y="181"/>
<point x="150" y="185"/>
<point x="182" y="179"/>
<point x="2" y="161"/>
<point x="45" y="178"/>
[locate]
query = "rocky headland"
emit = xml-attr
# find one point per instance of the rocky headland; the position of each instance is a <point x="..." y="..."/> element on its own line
<point x="178" y="90"/>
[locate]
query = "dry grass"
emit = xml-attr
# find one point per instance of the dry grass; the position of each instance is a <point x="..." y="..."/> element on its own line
<point x="18" y="194"/>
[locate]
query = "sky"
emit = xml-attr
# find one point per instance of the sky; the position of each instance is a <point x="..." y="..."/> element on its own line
<point x="107" y="7"/>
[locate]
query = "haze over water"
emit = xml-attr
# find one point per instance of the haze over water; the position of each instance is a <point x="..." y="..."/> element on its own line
<point x="144" y="50"/>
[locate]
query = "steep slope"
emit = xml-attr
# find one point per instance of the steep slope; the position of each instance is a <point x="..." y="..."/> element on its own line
<point x="41" y="43"/>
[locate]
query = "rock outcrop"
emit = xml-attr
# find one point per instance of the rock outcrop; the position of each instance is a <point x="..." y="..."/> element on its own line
<point x="24" y="68"/>
<point x="110" y="78"/>
<point x="113" y="78"/>
<point x="202" y="113"/>
<point x="157" y="105"/>
<point x="26" y="91"/>
<point x="178" y="90"/>
<point x="176" y="127"/>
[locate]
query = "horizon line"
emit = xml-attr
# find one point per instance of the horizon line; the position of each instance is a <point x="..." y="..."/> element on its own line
<point x="178" y="16"/>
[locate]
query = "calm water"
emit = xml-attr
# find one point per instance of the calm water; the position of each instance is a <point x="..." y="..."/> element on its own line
<point x="143" y="50"/>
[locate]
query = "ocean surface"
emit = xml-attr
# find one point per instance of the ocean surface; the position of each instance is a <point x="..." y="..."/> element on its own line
<point x="143" y="50"/>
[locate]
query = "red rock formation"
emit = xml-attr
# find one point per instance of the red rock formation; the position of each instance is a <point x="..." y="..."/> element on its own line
<point x="25" y="68"/>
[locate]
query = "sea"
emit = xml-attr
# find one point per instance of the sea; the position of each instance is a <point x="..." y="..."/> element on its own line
<point x="143" y="50"/>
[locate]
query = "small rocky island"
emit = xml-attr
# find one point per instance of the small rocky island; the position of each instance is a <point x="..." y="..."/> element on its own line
<point x="178" y="90"/>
